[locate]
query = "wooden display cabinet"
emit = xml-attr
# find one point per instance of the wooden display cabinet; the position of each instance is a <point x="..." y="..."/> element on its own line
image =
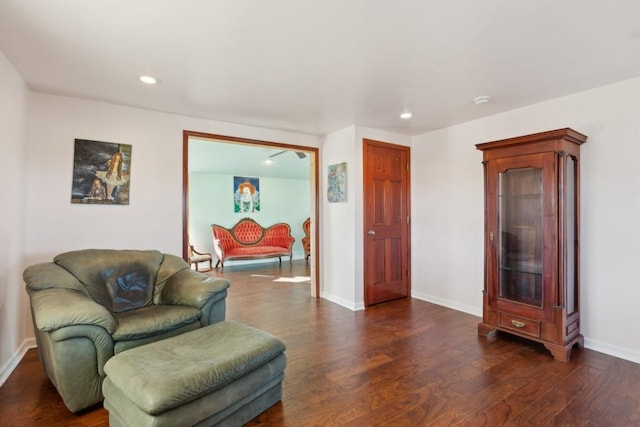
<point x="532" y="283"/>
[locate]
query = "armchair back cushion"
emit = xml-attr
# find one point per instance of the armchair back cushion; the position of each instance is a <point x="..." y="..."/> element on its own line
<point x="119" y="280"/>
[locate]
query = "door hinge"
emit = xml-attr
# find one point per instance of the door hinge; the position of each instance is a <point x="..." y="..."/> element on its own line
<point x="407" y="165"/>
<point x="408" y="219"/>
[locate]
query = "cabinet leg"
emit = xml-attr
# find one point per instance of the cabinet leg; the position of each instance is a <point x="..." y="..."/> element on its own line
<point x="563" y="352"/>
<point x="559" y="352"/>
<point x="485" y="329"/>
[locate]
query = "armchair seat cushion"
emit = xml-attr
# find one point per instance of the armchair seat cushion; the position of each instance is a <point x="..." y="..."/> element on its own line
<point x="152" y="320"/>
<point x="199" y="258"/>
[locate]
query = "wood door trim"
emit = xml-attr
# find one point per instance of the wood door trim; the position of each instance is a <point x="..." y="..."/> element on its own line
<point x="314" y="152"/>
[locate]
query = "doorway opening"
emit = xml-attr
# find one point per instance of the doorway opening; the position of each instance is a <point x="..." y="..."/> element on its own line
<point x="251" y="158"/>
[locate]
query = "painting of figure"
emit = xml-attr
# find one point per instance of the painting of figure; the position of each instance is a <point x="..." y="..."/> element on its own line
<point x="101" y="173"/>
<point x="246" y="195"/>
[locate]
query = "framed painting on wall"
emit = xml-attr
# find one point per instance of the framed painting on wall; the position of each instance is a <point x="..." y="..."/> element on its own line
<point x="101" y="173"/>
<point x="337" y="183"/>
<point x="246" y="194"/>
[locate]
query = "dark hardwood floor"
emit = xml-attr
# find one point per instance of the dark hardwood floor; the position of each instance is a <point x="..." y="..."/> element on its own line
<point x="403" y="363"/>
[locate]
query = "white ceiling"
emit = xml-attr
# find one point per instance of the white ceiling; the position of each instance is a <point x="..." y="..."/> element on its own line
<point x="224" y="158"/>
<point x="319" y="66"/>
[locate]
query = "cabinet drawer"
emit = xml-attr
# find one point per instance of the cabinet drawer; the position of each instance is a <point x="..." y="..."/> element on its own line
<point x="520" y="324"/>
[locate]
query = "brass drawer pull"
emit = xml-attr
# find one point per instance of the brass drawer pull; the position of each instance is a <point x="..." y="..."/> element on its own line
<point x="518" y="324"/>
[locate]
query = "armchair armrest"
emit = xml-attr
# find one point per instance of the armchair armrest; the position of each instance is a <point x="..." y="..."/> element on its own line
<point x="223" y="240"/>
<point x="56" y="308"/>
<point x="188" y="287"/>
<point x="289" y="242"/>
<point x="50" y="275"/>
<point x="218" y="249"/>
<point x="74" y="341"/>
<point x="196" y="252"/>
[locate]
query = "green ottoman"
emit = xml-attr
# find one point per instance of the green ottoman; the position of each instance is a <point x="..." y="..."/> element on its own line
<point x="224" y="374"/>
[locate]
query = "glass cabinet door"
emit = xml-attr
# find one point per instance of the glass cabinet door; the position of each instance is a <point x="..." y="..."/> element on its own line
<point x="519" y="227"/>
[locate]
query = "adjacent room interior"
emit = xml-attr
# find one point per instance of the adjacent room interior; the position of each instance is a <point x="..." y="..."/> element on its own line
<point x="287" y="177"/>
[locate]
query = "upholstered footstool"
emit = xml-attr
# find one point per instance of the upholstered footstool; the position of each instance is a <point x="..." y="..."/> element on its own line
<point x="223" y="374"/>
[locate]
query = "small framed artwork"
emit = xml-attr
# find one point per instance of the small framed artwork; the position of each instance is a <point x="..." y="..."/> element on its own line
<point x="337" y="183"/>
<point x="246" y="194"/>
<point x="101" y="173"/>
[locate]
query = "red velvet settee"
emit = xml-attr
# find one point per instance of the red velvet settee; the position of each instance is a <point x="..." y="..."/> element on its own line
<point x="249" y="240"/>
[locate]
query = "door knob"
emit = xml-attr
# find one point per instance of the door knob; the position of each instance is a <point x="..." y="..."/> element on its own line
<point x="371" y="233"/>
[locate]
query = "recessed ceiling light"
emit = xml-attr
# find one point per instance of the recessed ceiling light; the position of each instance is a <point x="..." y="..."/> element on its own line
<point x="406" y="115"/>
<point x="150" y="80"/>
<point x="481" y="99"/>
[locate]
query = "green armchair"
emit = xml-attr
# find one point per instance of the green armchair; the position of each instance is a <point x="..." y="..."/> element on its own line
<point x="88" y="305"/>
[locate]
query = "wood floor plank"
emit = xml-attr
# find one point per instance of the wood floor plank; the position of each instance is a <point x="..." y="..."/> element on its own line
<point x="403" y="363"/>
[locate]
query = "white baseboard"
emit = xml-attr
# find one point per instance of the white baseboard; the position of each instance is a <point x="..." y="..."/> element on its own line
<point x="9" y="367"/>
<point x="449" y="304"/>
<point x="612" y="350"/>
<point x="342" y="302"/>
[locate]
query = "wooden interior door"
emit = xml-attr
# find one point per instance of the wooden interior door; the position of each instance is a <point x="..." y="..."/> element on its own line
<point x="386" y="221"/>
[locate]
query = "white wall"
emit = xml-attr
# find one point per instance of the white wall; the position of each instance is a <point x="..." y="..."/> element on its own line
<point x="40" y="221"/>
<point x="211" y="202"/>
<point x="13" y="316"/>
<point x="153" y="219"/>
<point x="337" y="223"/>
<point x="447" y="204"/>
<point x="342" y="223"/>
<point x="447" y="209"/>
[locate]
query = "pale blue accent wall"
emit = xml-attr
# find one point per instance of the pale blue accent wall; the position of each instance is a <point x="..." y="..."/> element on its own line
<point x="211" y="202"/>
